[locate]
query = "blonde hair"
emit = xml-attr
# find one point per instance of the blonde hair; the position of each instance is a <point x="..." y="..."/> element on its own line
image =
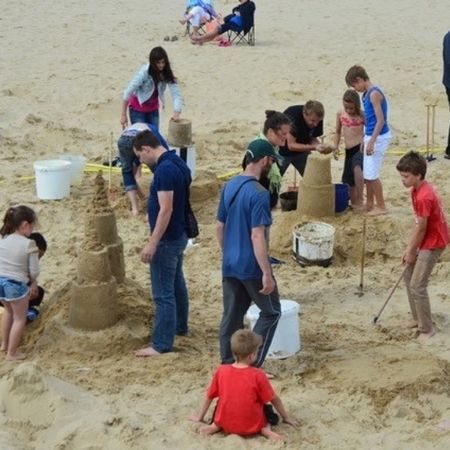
<point x="244" y="343"/>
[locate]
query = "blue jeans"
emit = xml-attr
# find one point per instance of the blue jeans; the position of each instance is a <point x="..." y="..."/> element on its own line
<point x="149" y="117"/>
<point x="169" y="294"/>
<point x="128" y="159"/>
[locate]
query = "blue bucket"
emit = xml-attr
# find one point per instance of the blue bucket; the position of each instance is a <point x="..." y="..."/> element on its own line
<point x="340" y="197"/>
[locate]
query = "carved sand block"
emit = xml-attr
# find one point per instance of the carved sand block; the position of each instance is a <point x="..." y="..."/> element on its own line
<point x="116" y="260"/>
<point x="180" y="133"/>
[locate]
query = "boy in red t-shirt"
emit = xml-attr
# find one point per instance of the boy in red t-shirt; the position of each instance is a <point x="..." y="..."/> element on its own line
<point x="242" y="392"/>
<point x="429" y="238"/>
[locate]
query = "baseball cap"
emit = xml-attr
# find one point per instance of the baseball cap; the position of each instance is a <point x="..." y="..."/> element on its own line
<point x="260" y="148"/>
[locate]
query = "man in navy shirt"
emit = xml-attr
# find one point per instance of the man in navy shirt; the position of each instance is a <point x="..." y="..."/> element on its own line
<point x="164" y="250"/>
<point x="446" y="81"/>
<point x="242" y="218"/>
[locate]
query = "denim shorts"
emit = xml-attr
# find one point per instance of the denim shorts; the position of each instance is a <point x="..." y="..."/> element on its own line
<point x="11" y="290"/>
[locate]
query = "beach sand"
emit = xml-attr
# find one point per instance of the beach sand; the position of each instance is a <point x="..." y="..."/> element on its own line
<point x="353" y="385"/>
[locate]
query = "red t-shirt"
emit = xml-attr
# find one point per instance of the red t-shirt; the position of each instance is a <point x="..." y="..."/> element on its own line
<point x="426" y="203"/>
<point x="242" y="394"/>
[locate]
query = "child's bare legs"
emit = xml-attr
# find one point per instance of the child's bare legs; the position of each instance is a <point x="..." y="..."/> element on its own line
<point x="7" y="319"/>
<point x="375" y="188"/>
<point x="357" y="191"/>
<point x="209" y="429"/>
<point x="269" y="434"/>
<point x="19" y="317"/>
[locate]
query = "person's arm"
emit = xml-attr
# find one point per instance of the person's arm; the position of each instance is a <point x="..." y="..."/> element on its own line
<point x="165" y="200"/>
<point x="338" y="132"/>
<point x="376" y="98"/>
<point x="278" y="405"/>
<point x="410" y="255"/>
<point x="294" y="146"/>
<point x="177" y="100"/>
<point x="219" y="233"/>
<point x="123" y="114"/>
<point x="259" y="243"/>
<point x="199" y="417"/>
<point x="33" y="272"/>
<point x="136" y="81"/>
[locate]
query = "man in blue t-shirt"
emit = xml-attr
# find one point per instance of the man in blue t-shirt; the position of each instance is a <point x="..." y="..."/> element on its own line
<point x="242" y="219"/>
<point x="167" y="209"/>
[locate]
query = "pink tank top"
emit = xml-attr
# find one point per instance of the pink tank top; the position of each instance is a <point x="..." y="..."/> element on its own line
<point x="152" y="104"/>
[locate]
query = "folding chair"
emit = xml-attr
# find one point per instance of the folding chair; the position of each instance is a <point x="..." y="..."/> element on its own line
<point x="241" y="37"/>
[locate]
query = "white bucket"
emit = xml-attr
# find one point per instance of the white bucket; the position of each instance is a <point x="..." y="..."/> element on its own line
<point x="189" y="156"/>
<point x="77" y="167"/>
<point x="313" y="243"/>
<point x="52" y="179"/>
<point x="286" y="340"/>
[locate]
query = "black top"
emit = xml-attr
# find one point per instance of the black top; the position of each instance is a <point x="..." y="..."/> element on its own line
<point x="300" y="130"/>
<point x="246" y="11"/>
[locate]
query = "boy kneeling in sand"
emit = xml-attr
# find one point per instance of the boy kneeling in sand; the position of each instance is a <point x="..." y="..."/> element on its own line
<point x="242" y="392"/>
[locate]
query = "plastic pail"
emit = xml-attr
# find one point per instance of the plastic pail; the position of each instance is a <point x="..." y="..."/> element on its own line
<point x="52" y="179"/>
<point x="288" y="200"/>
<point x="313" y="243"/>
<point x="340" y="197"/>
<point x="189" y="156"/>
<point x="77" y="167"/>
<point x="286" y="340"/>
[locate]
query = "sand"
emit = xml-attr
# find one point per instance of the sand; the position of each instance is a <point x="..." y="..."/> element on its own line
<point x="63" y="66"/>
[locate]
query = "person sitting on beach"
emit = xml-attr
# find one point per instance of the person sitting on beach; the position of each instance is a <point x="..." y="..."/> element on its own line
<point x="198" y="12"/>
<point x="242" y="392"/>
<point x="130" y="162"/>
<point x="19" y="268"/>
<point x="350" y="124"/>
<point x="37" y="297"/>
<point x="240" y="20"/>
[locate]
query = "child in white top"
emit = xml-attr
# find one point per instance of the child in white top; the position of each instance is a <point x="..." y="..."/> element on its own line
<point x="19" y="266"/>
<point x="350" y="124"/>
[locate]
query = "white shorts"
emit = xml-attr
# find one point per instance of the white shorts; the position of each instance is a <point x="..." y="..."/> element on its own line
<point x="372" y="163"/>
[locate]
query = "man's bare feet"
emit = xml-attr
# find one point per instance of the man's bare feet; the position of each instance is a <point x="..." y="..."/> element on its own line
<point x="412" y="324"/>
<point x="18" y="356"/>
<point x="376" y="211"/>
<point x="209" y="429"/>
<point x="146" y="351"/>
<point x="269" y="434"/>
<point x="424" y="337"/>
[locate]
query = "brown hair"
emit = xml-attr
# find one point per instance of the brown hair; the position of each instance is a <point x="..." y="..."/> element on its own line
<point x="351" y="96"/>
<point x="355" y="72"/>
<point x="314" y="107"/>
<point x="413" y="162"/>
<point x="14" y="217"/>
<point x="274" y="121"/>
<point x="145" y="138"/>
<point x="244" y="343"/>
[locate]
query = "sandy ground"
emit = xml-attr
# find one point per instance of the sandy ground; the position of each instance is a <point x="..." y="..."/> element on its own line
<point x="63" y="66"/>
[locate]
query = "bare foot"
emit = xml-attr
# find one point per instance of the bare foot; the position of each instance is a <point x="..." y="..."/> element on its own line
<point x="412" y="324"/>
<point x="18" y="356"/>
<point x="209" y="429"/>
<point x="269" y="434"/>
<point x="424" y="337"/>
<point x="146" y="351"/>
<point x="376" y="211"/>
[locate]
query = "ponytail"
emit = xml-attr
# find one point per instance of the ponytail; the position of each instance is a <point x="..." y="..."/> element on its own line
<point x="13" y="218"/>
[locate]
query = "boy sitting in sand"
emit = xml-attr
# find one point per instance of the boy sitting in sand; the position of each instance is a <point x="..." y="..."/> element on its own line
<point x="428" y="240"/>
<point x="242" y="391"/>
<point x="36" y="297"/>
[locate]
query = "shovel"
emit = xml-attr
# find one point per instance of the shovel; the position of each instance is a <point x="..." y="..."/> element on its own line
<point x="111" y="191"/>
<point x="360" y="292"/>
<point x="375" y="319"/>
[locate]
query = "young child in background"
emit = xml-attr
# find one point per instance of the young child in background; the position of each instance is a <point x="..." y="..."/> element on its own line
<point x="36" y="300"/>
<point x="429" y="238"/>
<point x="242" y="392"/>
<point x="350" y="124"/>
<point x="377" y="136"/>
<point x="19" y="266"/>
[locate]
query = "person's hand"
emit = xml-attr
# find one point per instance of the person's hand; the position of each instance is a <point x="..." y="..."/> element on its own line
<point x="195" y="418"/>
<point x="33" y="290"/>
<point x="336" y="153"/>
<point x="290" y="421"/>
<point x="370" y="147"/>
<point x="148" y="252"/>
<point x="409" y="257"/>
<point x="176" y="116"/>
<point x="123" y="121"/>
<point x="325" y="148"/>
<point x="268" y="284"/>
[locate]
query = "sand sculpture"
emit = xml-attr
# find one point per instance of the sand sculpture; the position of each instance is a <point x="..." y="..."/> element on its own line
<point x="316" y="191"/>
<point x="100" y="267"/>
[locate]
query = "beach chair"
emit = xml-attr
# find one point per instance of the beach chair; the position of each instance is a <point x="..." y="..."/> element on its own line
<point x="242" y="37"/>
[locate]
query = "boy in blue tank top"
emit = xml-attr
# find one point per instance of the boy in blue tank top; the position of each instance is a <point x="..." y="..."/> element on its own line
<point x="377" y="136"/>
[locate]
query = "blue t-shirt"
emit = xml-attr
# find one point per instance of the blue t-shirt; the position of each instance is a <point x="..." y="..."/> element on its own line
<point x="250" y="209"/>
<point x="170" y="174"/>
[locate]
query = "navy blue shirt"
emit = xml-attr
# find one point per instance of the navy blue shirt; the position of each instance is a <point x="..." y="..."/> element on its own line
<point x="170" y="174"/>
<point x="446" y="57"/>
<point x="250" y="209"/>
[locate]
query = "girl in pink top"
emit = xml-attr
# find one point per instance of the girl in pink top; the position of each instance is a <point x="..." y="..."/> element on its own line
<point x="350" y="124"/>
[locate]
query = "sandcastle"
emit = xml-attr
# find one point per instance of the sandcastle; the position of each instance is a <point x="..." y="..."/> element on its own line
<point x="100" y="267"/>
<point x="316" y="191"/>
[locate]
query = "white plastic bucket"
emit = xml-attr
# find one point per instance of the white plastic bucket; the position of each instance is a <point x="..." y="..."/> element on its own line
<point x="286" y="340"/>
<point x="189" y="156"/>
<point x="77" y="167"/>
<point x="313" y="242"/>
<point x="52" y="179"/>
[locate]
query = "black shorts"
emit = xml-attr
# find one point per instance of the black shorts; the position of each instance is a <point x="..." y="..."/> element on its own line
<point x="353" y="158"/>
